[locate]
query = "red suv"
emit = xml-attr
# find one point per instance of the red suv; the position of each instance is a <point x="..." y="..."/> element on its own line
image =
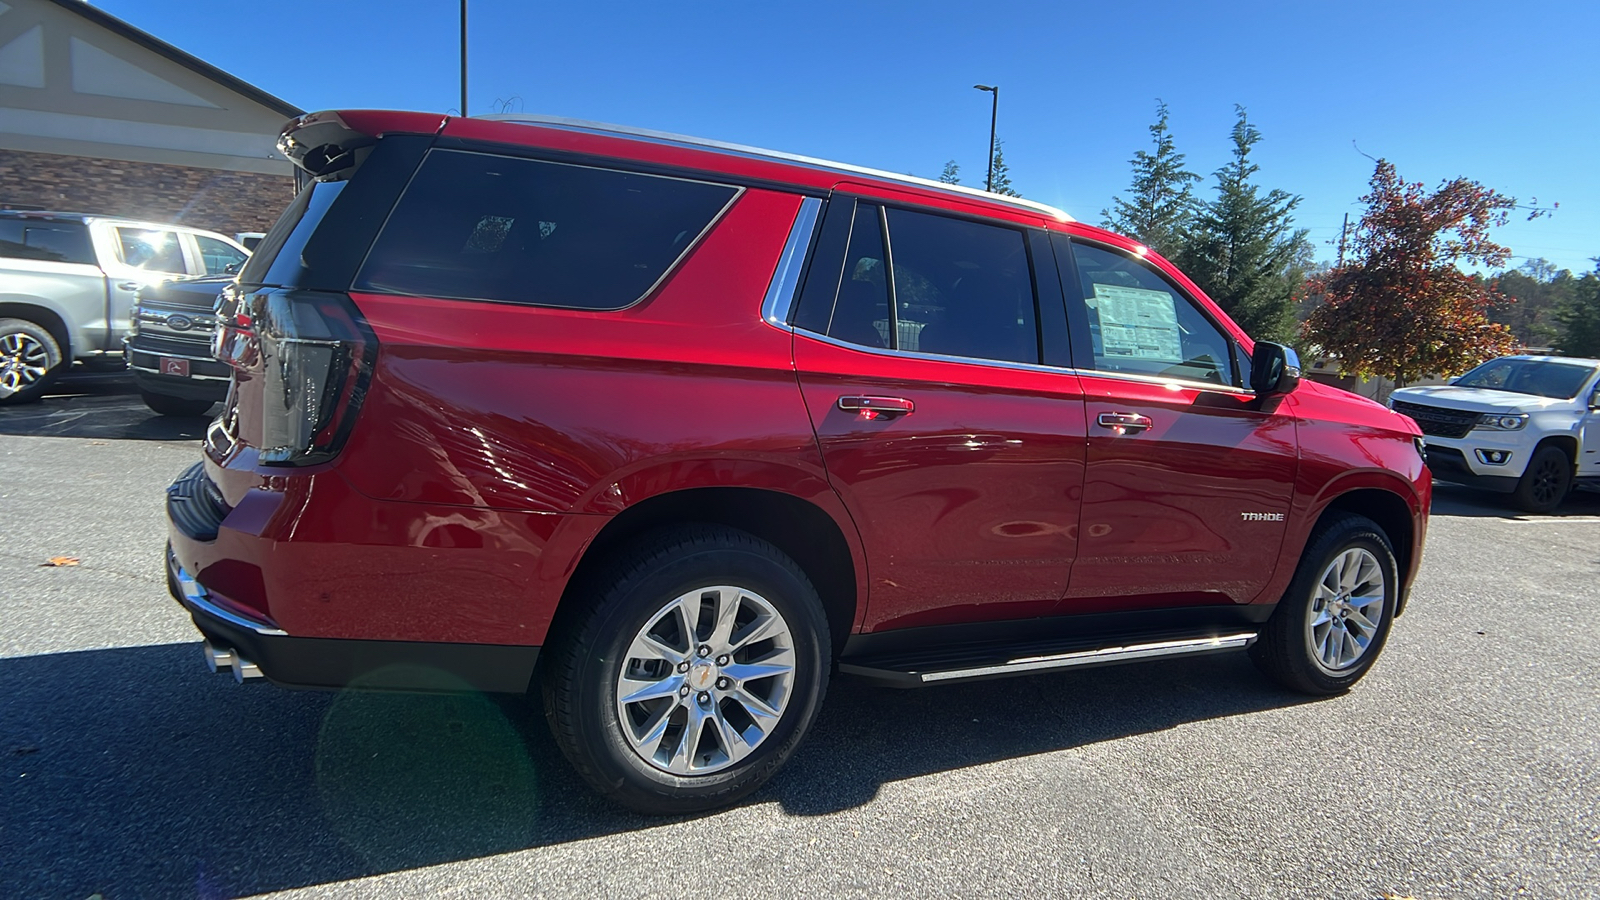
<point x="671" y="430"/>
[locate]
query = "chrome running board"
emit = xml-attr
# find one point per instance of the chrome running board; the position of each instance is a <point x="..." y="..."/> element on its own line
<point x="1100" y="656"/>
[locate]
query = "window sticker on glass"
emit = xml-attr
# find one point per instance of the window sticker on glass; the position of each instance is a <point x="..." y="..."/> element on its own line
<point x="1136" y="323"/>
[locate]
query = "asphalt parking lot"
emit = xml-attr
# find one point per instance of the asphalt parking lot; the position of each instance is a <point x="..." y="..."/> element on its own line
<point x="1467" y="764"/>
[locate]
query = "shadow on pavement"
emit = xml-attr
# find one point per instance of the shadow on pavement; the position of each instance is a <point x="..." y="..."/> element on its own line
<point x="102" y="405"/>
<point x="1464" y="502"/>
<point x="133" y="772"/>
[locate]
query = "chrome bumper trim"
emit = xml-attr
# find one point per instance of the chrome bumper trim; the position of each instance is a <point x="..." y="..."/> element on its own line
<point x="196" y="596"/>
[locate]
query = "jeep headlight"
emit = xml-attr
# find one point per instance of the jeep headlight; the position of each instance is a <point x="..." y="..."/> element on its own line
<point x="1498" y="422"/>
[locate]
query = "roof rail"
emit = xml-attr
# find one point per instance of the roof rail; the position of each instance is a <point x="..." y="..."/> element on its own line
<point x="758" y="152"/>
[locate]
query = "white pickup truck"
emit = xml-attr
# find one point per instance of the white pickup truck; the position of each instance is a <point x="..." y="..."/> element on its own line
<point x="67" y="285"/>
<point x="1527" y="426"/>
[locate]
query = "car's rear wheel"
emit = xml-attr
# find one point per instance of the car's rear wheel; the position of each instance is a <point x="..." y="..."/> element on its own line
<point x="29" y="360"/>
<point x="1333" y="621"/>
<point x="167" y="405"/>
<point x="1545" y="482"/>
<point x="694" y="675"/>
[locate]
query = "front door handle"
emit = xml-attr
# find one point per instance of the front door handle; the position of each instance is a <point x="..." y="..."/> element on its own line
<point x="877" y="407"/>
<point x="1124" y="423"/>
<point x="129" y="286"/>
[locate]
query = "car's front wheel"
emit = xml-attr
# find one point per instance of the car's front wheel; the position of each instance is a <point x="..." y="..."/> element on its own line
<point x="693" y="676"/>
<point x="1332" y="623"/>
<point x="1546" y="481"/>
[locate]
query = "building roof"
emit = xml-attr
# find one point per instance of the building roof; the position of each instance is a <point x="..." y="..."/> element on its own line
<point x="193" y="63"/>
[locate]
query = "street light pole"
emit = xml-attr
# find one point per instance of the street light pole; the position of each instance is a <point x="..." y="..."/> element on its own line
<point x="463" y="57"/>
<point x="994" y="115"/>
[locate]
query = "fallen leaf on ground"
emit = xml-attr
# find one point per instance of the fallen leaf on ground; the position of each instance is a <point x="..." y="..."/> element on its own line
<point x="61" y="561"/>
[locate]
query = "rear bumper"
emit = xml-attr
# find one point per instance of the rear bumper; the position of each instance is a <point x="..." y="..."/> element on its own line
<point x="332" y="663"/>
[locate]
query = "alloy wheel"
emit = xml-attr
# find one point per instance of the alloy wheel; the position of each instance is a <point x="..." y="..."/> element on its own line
<point x="23" y="361"/>
<point x="1347" y="608"/>
<point x="706" y="680"/>
<point x="1546" y="480"/>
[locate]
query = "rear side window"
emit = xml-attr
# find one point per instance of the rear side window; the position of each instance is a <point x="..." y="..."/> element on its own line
<point x="66" y="242"/>
<point x="861" y="314"/>
<point x="473" y="226"/>
<point x="151" y="249"/>
<point x="217" y="255"/>
<point x="962" y="288"/>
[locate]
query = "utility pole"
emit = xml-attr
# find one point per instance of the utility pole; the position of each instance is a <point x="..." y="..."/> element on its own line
<point x="1342" y="232"/>
<point x="994" y="115"/>
<point x="463" y="57"/>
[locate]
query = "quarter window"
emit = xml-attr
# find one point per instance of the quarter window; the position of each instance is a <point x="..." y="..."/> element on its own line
<point x="474" y="226"/>
<point x="50" y="241"/>
<point x="1140" y="324"/>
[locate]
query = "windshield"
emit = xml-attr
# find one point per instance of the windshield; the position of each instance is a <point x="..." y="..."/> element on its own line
<point x="1529" y="376"/>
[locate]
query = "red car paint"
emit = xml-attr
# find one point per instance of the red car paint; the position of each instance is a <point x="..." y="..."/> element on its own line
<point x="497" y="441"/>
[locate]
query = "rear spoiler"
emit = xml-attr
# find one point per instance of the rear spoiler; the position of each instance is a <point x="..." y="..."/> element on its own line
<point x="322" y="143"/>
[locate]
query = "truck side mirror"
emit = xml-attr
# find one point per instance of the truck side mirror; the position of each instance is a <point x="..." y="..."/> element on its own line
<point x="1274" y="369"/>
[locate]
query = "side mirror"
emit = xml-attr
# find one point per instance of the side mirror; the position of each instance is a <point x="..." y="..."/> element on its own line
<point x="230" y="269"/>
<point x="1594" y="398"/>
<point x="1274" y="369"/>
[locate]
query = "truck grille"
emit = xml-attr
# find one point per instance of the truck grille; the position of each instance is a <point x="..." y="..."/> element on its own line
<point x="1437" y="421"/>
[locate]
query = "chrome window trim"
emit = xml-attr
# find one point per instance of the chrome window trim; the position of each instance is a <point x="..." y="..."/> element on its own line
<point x="1028" y="367"/>
<point x="672" y="267"/>
<point x="744" y="150"/>
<point x="775" y="307"/>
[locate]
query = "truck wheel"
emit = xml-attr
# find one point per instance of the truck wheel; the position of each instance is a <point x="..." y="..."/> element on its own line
<point x="1331" y="624"/>
<point x="694" y="674"/>
<point x="29" y="361"/>
<point x="1546" y="481"/>
<point x="167" y="405"/>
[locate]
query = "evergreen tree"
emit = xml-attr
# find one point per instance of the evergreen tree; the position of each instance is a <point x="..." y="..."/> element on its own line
<point x="1580" y="318"/>
<point x="951" y="173"/>
<point x="1002" y="172"/>
<point x="1534" y="298"/>
<point x="1162" y="199"/>
<point x="1243" y="249"/>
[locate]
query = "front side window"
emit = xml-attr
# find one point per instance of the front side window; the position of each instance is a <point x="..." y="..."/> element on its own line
<point x="150" y="249"/>
<point x="1139" y="324"/>
<point x="218" y="255"/>
<point x="473" y="226"/>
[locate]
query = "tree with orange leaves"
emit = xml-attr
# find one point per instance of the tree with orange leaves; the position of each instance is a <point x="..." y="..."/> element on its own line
<point x="1402" y="307"/>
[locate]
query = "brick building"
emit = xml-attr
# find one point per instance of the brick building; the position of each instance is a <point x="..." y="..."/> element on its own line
<point x="97" y="116"/>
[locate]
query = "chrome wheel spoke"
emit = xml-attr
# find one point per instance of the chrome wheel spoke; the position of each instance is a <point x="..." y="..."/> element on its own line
<point x="641" y="691"/>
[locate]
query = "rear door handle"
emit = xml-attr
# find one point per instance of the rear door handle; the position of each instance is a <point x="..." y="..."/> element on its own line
<point x="129" y="285"/>
<point x="877" y="407"/>
<point x="1124" y="423"/>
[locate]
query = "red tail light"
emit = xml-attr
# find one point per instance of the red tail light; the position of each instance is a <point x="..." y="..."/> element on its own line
<point x="310" y="355"/>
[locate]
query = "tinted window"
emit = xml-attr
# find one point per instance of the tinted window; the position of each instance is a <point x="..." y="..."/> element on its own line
<point x="287" y="239"/>
<point x="481" y="227"/>
<point x="1140" y="324"/>
<point x="1529" y="376"/>
<point x="49" y="241"/>
<point x="217" y="255"/>
<point x="962" y="288"/>
<point x="150" y="249"/>
<point x="861" y="314"/>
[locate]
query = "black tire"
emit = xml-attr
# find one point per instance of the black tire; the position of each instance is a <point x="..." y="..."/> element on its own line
<point x="1285" y="649"/>
<point x="1545" y="482"/>
<point x="589" y="649"/>
<point x="168" y="405"/>
<point x="24" y="347"/>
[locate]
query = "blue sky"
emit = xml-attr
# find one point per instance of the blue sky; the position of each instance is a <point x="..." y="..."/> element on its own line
<point x="1504" y="93"/>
